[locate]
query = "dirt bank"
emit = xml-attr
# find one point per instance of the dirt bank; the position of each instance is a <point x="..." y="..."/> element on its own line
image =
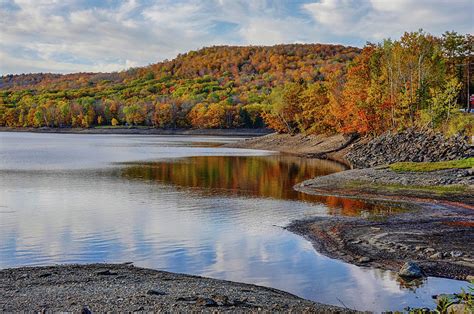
<point x="125" y="288"/>
<point x="144" y="131"/>
<point x="332" y="147"/>
<point x="436" y="229"/>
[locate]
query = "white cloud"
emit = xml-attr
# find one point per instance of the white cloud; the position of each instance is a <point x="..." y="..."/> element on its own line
<point x="67" y="36"/>
<point x="377" y="19"/>
<point x="261" y="31"/>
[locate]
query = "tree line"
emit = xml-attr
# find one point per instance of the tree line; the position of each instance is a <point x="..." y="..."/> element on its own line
<point x="418" y="80"/>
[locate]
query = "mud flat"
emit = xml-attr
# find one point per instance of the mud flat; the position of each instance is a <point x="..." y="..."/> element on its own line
<point x="125" y="288"/>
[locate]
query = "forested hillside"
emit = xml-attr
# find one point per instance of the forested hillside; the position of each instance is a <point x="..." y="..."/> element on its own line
<point x="217" y="87"/>
<point x="419" y="80"/>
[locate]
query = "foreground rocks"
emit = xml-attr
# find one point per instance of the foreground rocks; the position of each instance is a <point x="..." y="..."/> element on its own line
<point x="125" y="288"/>
<point x="409" y="145"/>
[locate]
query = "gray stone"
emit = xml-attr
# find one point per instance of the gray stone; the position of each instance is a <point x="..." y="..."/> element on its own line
<point x="456" y="254"/>
<point x="437" y="255"/>
<point x="410" y="270"/>
<point x="155" y="292"/>
<point x="364" y="259"/>
<point x="206" y="302"/>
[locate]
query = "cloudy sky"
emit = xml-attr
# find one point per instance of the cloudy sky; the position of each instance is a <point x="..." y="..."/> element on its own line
<point x="109" y="35"/>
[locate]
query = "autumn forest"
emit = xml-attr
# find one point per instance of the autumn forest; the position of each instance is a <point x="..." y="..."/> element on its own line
<point x="419" y="80"/>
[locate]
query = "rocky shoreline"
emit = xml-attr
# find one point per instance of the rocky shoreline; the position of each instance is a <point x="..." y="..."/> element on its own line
<point x="409" y="145"/>
<point x="125" y="288"/>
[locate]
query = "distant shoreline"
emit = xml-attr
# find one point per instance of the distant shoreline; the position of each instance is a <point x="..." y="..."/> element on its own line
<point x="144" y="131"/>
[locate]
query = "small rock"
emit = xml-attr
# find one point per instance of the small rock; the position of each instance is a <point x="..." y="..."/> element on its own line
<point x="459" y="308"/>
<point x="106" y="273"/>
<point x="155" y="292"/>
<point x="85" y="310"/>
<point x="410" y="270"/>
<point x="364" y="259"/>
<point x="206" y="302"/>
<point x="221" y="300"/>
<point x="470" y="278"/>
<point x="438" y="255"/>
<point x="418" y="248"/>
<point x="456" y="253"/>
<point x="429" y="250"/>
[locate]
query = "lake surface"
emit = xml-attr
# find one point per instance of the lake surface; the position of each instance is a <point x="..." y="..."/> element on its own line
<point x="183" y="204"/>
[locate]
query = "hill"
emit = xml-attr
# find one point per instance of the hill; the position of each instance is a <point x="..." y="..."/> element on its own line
<point x="222" y="86"/>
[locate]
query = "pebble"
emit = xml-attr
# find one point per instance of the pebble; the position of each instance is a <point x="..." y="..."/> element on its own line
<point x="155" y="292"/>
<point x="364" y="259"/>
<point x="456" y="254"/>
<point x="206" y="302"/>
<point x="438" y="255"/>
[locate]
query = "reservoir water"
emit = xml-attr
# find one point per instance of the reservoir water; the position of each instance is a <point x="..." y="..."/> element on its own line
<point x="183" y="204"/>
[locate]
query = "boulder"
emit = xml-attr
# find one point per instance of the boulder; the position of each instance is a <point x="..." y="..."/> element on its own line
<point x="411" y="270"/>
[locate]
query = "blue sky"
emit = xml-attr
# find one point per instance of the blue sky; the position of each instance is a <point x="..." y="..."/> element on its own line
<point x="65" y="36"/>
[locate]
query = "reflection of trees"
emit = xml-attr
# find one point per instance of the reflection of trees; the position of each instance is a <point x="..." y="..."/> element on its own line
<point x="411" y="285"/>
<point x="272" y="176"/>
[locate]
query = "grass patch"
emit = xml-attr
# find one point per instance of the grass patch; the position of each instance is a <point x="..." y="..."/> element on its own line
<point x="436" y="189"/>
<point x="432" y="166"/>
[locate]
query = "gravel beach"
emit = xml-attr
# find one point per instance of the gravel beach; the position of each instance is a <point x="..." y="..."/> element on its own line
<point x="125" y="288"/>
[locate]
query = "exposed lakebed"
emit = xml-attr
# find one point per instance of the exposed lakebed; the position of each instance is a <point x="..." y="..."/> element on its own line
<point x="183" y="204"/>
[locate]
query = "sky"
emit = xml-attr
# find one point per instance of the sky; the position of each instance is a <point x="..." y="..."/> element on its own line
<point x="64" y="36"/>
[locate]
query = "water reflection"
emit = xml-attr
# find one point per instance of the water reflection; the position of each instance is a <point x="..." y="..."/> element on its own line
<point x="64" y="199"/>
<point x="252" y="176"/>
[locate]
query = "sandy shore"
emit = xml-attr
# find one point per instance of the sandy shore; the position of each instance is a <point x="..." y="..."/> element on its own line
<point x="125" y="288"/>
